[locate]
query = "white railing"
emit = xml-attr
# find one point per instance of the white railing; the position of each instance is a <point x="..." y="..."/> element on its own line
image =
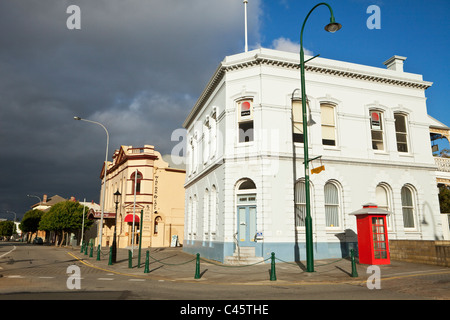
<point x="442" y="163"/>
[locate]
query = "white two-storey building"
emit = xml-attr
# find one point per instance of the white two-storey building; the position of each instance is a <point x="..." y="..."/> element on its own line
<point x="245" y="173"/>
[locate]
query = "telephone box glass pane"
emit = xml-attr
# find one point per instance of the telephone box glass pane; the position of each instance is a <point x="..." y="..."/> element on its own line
<point x="379" y="238"/>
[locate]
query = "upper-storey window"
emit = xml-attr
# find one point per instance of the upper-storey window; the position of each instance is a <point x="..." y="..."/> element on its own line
<point x="213" y="133"/>
<point x="376" y="127"/>
<point x="297" y="121"/>
<point x="328" y="119"/>
<point x="245" y="120"/>
<point x="206" y="140"/>
<point x="136" y="182"/>
<point x="401" y="132"/>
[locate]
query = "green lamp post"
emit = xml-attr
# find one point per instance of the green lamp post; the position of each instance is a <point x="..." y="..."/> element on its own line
<point x="333" y="26"/>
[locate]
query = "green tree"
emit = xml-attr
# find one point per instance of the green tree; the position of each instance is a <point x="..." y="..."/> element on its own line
<point x="63" y="218"/>
<point x="444" y="199"/>
<point x="7" y="228"/>
<point x="30" y="222"/>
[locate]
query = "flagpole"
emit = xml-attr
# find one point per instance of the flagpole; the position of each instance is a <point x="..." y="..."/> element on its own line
<point x="245" y="14"/>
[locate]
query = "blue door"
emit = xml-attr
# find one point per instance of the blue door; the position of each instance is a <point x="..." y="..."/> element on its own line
<point x="246" y="219"/>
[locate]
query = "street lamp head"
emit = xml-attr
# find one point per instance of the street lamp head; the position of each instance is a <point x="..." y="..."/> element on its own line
<point x="333" y="26"/>
<point x="76" y="118"/>
<point x="117" y="194"/>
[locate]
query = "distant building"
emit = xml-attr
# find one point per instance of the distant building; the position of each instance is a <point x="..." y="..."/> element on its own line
<point x="245" y="187"/>
<point x="47" y="202"/>
<point x="147" y="184"/>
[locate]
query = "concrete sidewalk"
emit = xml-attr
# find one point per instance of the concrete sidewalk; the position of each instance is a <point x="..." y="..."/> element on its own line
<point x="172" y="264"/>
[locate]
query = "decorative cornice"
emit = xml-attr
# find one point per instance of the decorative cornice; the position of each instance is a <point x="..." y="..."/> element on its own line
<point x="329" y="70"/>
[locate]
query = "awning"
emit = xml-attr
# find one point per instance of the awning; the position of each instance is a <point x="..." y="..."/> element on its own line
<point x="129" y="218"/>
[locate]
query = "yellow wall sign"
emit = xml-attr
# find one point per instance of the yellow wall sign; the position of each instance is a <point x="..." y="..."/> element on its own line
<point x="318" y="169"/>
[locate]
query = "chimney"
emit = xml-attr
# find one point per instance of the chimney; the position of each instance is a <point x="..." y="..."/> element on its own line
<point x="44" y="199"/>
<point x="395" y="63"/>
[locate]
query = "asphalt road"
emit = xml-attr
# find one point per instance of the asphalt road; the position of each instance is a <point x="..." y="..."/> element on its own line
<point x="33" y="272"/>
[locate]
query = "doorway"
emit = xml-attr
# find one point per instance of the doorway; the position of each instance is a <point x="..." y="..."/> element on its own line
<point x="246" y="228"/>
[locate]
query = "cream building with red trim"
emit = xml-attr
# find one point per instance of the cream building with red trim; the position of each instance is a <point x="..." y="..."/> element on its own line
<point x="147" y="184"/>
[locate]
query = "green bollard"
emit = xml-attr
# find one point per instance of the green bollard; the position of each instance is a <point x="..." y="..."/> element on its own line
<point x="85" y="249"/>
<point x="273" y="276"/>
<point x="197" y="267"/>
<point x="354" y="271"/>
<point x="98" y="253"/>
<point x="146" y="262"/>
<point x="91" y="252"/>
<point x="110" y="257"/>
<point x="130" y="259"/>
<point x="82" y="246"/>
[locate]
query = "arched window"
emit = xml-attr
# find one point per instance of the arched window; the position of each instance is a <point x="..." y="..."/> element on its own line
<point x="332" y="205"/>
<point x="408" y="207"/>
<point x="247" y="184"/>
<point x="157" y="220"/>
<point x="189" y="217"/>
<point x="194" y="215"/>
<point x="213" y="211"/>
<point x="206" y="214"/>
<point x="300" y="203"/>
<point x="383" y="200"/>
<point x="136" y="182"/>
<point x="246" y="192"/>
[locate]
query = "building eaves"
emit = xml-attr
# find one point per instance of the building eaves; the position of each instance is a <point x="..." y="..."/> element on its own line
<point x="319" y="65"/>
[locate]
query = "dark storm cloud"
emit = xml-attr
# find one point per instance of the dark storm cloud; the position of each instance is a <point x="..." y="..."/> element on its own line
<point x="137" y="66"/>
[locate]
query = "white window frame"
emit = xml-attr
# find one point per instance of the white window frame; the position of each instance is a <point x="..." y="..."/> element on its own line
<point x="213" y="133"/>
<point x="301" y="203"/>
<point x="337" y="205"/>
<point x="194" y="216"/>
<point x="213" y="211"/>
<point x="334" y="125"/>
<point x="406" y="133"/>
<point x="373" y="128"/>
<point x="297" y="120"/>
<point x="388" y="194"/>
<point x="189" y="218"/>
<point x="245" y="120"/>
<point x="206" y="140"/>
<point x="412" y="207"/>
<point x="206" y="213"/>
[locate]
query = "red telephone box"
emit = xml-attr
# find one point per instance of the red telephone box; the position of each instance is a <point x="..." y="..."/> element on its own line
<point x="372" y="235"/>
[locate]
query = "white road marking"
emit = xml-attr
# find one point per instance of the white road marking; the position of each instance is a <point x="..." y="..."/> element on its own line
<point x="14" y="248"/>
<point x="106" y="279"/>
